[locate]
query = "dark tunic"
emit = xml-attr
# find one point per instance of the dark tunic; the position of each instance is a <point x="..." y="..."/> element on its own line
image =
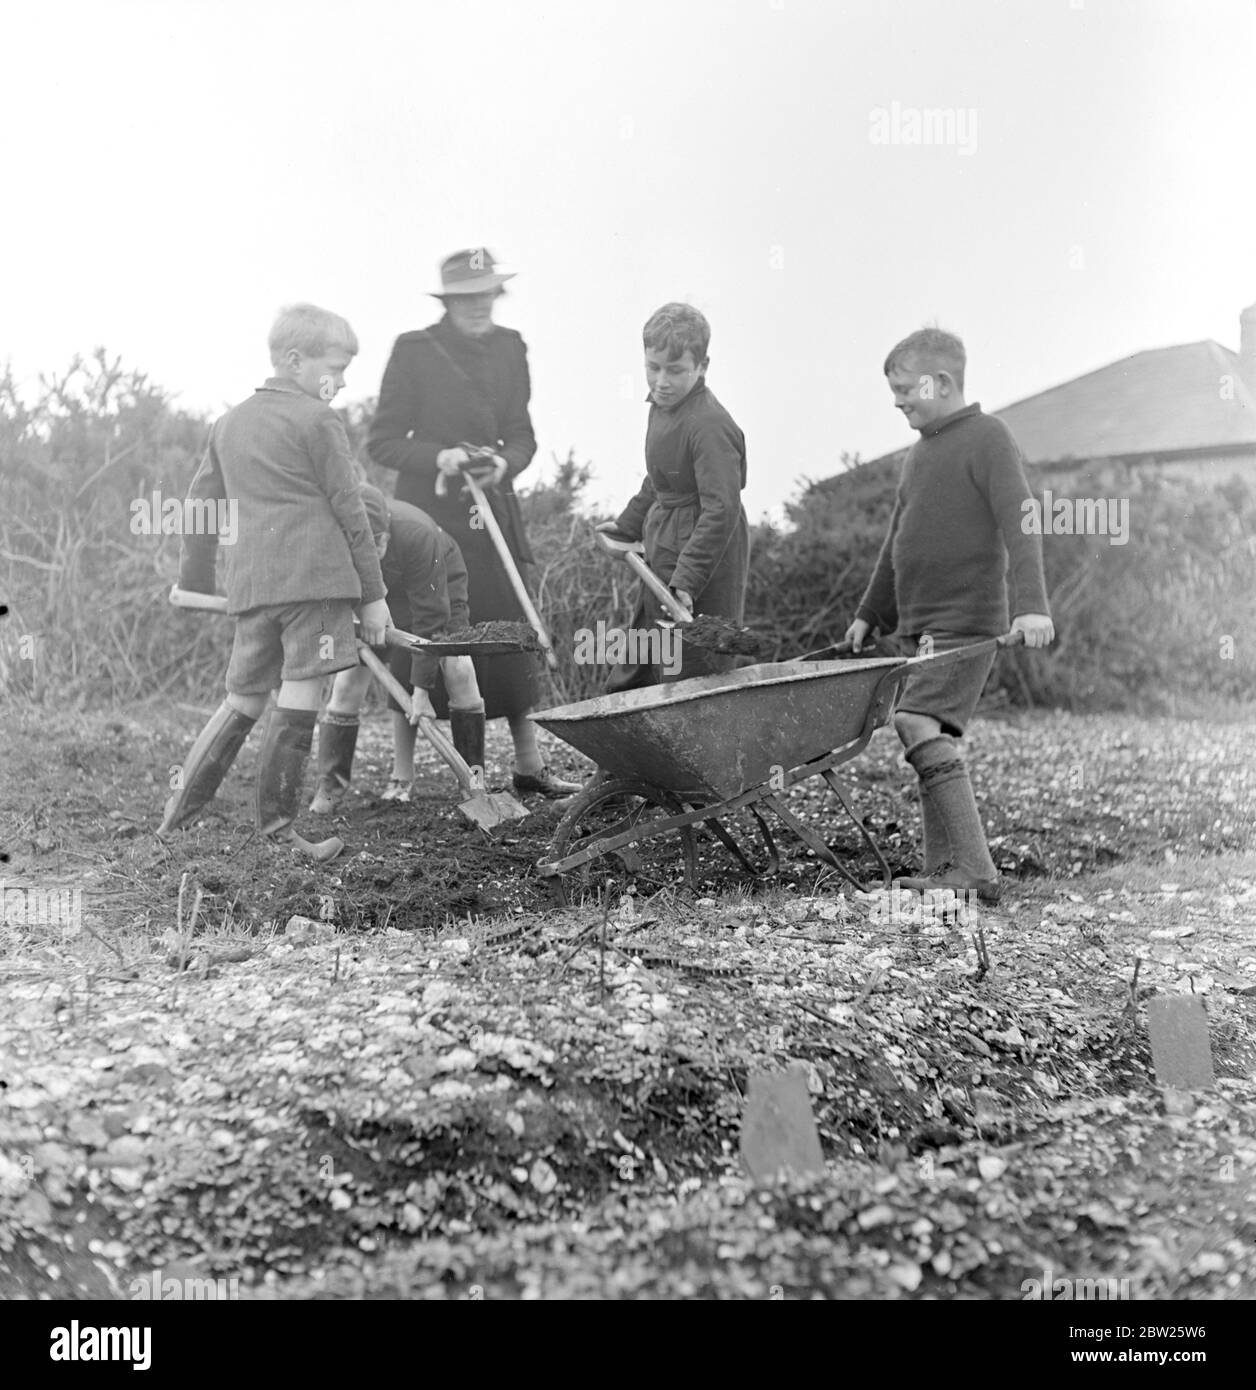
<point x="689" y="514"/>
<point x="442" y="389"/>
<point x="427" y="588"/>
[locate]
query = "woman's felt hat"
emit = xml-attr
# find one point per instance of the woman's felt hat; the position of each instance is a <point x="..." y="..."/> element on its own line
<point x="470" y="272"/>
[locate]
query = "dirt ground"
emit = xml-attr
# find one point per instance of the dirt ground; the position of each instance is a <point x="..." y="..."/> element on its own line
<point x="441" y="1085"/>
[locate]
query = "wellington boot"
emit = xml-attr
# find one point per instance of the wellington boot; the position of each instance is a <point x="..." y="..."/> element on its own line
<point x="207" y="764"/>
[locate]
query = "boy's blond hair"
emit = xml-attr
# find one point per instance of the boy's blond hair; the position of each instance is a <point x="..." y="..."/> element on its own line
<point x="314" y="332"/>
<point x="931" y="348"/>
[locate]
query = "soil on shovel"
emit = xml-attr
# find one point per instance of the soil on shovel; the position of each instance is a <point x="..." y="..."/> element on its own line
<point x="723" y="636"/>
<point x="518" y="634"/>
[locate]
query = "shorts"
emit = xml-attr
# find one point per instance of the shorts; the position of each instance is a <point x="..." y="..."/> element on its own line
<point x="948" y="693"/>
<point x="290" y="642"/>
<point x="401" y="662"/>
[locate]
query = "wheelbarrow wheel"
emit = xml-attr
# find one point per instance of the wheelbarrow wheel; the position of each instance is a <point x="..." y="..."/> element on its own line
<point x="650" y="865"/>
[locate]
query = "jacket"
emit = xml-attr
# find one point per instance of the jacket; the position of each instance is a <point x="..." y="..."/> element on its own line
<point x="440" y="389"/>
<point x="303" y="529"/>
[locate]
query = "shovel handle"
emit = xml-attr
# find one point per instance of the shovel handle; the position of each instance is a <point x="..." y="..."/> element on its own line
<point x="618" y="546"/>
<point x="217" y="603"/>
<point x="433" y="735"/>
<point x="457" y="763"/>
<point x="383" y="675"/>
<point x="512" y="572"/>
<point x="191" y="598"/>
<point x="656" y="586"/>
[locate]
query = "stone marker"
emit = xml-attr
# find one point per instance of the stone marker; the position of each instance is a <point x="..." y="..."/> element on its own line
<point x="1179" y="1041"/>
<point x="778" y="1130"/>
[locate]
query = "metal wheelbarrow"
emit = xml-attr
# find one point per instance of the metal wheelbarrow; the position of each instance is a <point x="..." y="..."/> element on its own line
<point x="672" y="757"/>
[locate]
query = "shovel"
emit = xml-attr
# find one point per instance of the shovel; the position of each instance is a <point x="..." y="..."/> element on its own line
<point x="485" y="809"/>
<point x="494" y="530"/>
<point x="711" y="633"/>
<point x="217" y="603"/>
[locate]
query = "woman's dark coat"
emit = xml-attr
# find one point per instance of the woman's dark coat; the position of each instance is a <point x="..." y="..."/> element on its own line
<point x="441" y="389"/>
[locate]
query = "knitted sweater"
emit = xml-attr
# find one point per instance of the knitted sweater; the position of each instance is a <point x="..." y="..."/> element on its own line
<point x="956" y="525"/>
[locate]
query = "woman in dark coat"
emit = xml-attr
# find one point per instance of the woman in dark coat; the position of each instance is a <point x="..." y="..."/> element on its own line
<point x="465" y="380"/>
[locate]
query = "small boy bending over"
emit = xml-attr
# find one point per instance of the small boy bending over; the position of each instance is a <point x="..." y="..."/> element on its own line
<point x="303" y="561"/>
<point x="688" y="510"/>
<point x="427" y="593"/>
<point x="941" y="580"/>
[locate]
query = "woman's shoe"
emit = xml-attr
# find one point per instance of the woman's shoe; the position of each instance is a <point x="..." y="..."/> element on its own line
<point x="396" y="790"/>
<point x="544" y="783"/>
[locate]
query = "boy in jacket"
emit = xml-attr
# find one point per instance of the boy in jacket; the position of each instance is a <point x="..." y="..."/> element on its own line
<point x="303" y="561"/>
<point x="941" y="580"/>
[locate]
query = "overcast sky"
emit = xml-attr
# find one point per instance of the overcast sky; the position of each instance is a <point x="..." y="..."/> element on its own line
<point x="175" y="171"/>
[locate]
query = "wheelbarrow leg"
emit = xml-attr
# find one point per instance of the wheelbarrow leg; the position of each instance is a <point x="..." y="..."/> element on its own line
<point x="831" y="778"/>
<point x="730" y="844"/>
<point x="810" y="839"/>
<point x="774" y="858"/>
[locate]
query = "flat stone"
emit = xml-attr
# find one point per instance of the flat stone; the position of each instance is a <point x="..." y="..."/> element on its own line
<point x="778" y="1130"/>
<point x="1180" y="1048"/>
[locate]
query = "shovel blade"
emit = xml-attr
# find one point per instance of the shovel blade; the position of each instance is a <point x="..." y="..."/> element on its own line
<point x="491" y="809"/>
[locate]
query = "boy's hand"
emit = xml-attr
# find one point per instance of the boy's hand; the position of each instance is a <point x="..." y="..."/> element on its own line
<point x="421" y="705"/>
<point x="857" y="633"/>
<point x="684" y="598"/>
<point x="1039" y="630"/>
<point x="373" y="622"/>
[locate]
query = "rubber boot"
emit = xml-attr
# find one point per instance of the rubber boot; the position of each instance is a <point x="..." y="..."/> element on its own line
<point x="466" y="731"/>
<point x="944" y="779"/>
<point x="337" y="740"/>
<point x="285" y="752"/>
<point x="206" y="765"/>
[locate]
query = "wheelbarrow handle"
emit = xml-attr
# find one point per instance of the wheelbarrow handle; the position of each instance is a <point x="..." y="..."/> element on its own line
<point x="217" y="603"/>
<point x="982" y="648"/>
<point x="841" y="649"/>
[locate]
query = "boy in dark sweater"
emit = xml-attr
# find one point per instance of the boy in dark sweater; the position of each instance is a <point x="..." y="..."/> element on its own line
<point x="688" y="510"/>
<point x="427" y="593"/>
<point x="941" y="581"/>
<point x="302" y="562"/>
